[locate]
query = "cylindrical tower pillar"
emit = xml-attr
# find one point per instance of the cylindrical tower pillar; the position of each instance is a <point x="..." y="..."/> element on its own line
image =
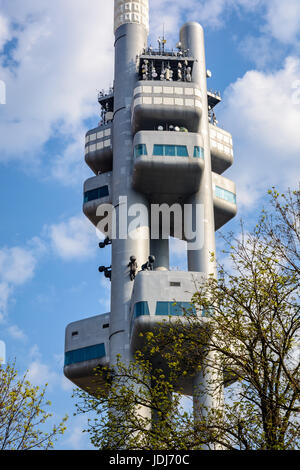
<point x="207" y="386"/>
<point x="199" y="257"/>
<point x="131" y="31"/>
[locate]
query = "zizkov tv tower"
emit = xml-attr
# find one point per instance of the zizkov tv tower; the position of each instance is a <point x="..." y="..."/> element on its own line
<point x="157" y="156"/>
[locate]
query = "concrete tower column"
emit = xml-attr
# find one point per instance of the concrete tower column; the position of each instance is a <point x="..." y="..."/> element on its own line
<point x="208" y="392"/>
<point x="130" y="40"/>
<point x="131" y="32"/>
<point x="192" y="38"/>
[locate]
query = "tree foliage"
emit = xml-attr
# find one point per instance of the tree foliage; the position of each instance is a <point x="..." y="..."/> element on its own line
<point x="22" y="414"/>
<point x="248" y="337"/>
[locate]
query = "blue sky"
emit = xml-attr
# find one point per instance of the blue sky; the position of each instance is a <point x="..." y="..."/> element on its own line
<point x="54" y="56"/>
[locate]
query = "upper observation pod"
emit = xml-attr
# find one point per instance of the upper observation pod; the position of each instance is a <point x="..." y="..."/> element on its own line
<point x="131" y="11"/>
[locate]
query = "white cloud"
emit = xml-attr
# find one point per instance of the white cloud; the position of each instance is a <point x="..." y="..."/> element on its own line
<point x="75" y="438"/>
<point x="17" y="266"/>
<point x="41" y="374"/>
<point x="16" y="333"/>
<point x="74" y="239"/>
<point x="62" y="58"/>
<point x="283" y="20"/>
<point x="212" y="13"/>
<point x="5" y="292"/>
<point x="264" y="121"/>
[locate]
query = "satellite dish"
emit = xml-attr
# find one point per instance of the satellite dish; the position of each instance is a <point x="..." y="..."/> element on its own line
<point x="208" y="74"/>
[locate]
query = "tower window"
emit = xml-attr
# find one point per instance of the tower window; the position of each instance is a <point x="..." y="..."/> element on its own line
<point x="174" y="309"/>
<point x="225" y="195"/>
<point x="170" y="150"/>
<point x="141" y="308"/>
<point x="85" y="354"/>
<point x="140" y="149"/>
<point x="198" y="152"/>
<point x="96" y="194"/>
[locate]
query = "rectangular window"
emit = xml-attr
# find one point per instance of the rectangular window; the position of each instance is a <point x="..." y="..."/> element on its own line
<point x="178" y="91"/>
<point x="168" y="101"/>
<point x="189" y="102"/>
<point x="147" y="100"/>
<point x="170" y="150"/>
<point x="174" y="309"/>
<point x="93" y="137"/>
<point x="181" y="151"/>
<point x="198" y="152"/>
<point x="85" y="354"/>
<point x="158" y="150"/>
<point x="140" y="309"/>
<point x="225" y="195"/>
<point x="140" y="149"/>
<point x="96" y="194"/>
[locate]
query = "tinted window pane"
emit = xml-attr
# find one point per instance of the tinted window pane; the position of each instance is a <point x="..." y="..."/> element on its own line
<point x="140" y="149"/>
<point x="170" y="150"/>
<point x="85" y="354"/>
<point x="162" y="308"/>
<point x="225" y="195"/>
<point x="96" y="194"/>
<point x="176" y="309"/>
<point x="198" y="152"/>
<point x="103" y="192"/>
<point x="141" y="308"/>
<point x="181" y="151"/>
<point x="158" y="150"/>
